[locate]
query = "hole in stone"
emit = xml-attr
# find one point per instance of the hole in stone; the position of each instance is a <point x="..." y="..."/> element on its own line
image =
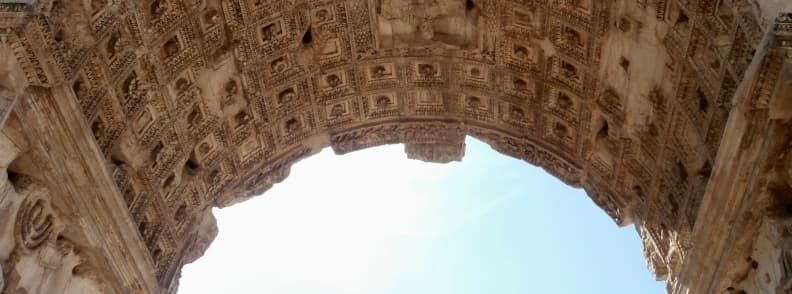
<point x="171" y="47"/>
<point x="98" y="128"/>
<point x="13" y="177"/>
<point x="142" y="227"/>
<point x="624" y="63"/>
<point x="307" y="37"/>
<point x="116" y="161"/>
<point x="780" y="204"/>
<point x="469" y="5"/>
<point x="59" y="36"/>
<point x="231" y="88"/>
<point x="706" y="170"/>
<point x="703" y="103"/>
<point x="191" y="166"/>
<point x="156" y="253"/>
<point x="638" y="190"/>
<point x="475" y="72"/>
<point x="77" y="86"/>
<point x="653" y="130"/>
<point x="682" y="171"/>
<point x="603" y="131"/>
<point x="682" y="18"/>
<point x="242" y="118"/>
<point x="20" y="173"/>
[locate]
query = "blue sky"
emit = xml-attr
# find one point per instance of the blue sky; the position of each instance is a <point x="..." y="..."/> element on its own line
<point x="375" y="222"/>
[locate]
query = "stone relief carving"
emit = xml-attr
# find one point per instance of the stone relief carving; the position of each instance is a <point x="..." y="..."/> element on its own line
<point x="195" y="104"/>
<point x="43" y="260"/>
<point x="407" y="23"/>
<point x="35" y="223"/>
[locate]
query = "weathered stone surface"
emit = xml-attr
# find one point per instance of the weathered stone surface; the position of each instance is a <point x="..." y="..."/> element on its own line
<point x="127" y="121"/>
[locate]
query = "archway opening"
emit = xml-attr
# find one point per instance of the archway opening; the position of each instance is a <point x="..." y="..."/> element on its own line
<point x="372" y="222"/>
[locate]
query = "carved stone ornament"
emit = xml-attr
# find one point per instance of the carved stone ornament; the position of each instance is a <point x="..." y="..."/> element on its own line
<point x="147" y="114"/>
<point x="35" y="221"/>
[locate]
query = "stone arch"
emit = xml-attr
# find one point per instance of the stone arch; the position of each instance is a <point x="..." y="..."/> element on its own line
<point x="205" y="103"/>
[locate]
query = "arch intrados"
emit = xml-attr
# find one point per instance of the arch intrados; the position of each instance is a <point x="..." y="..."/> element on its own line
<point x="432" y="140"/>
<point x="210" y="102"/>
